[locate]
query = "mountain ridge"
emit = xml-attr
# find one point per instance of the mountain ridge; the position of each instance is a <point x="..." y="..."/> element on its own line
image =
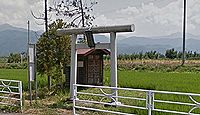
<point x="128" y="45"/>
<point x="6" y="26"/>
<point x="14" y="40"/>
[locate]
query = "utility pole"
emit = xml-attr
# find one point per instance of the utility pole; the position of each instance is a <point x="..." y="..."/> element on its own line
<point x="28" y="40"/>
<point x="45" y="18"/>
<point x="184" y="29"/>
<point x="29" y="81"/>
<point x="46" y="29"/>
<point x="82" y="14"/>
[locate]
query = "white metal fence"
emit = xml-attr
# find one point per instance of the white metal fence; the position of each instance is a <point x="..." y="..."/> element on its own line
<point x="11" y="93"/>
<point x="147" y="100"/>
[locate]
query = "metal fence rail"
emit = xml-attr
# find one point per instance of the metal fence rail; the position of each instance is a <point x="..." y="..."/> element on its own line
<point x="149" y="99"/>
<point x="11" y="93"/>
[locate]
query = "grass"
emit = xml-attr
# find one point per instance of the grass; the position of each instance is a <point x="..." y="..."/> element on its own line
<point x="177" y="82"/>
<point x="182" y="82"/>
<point x="167" y="81"/>
<point x="48" y="102"/>
<point x="15" y="74"/>
<point x="22" y="75"/>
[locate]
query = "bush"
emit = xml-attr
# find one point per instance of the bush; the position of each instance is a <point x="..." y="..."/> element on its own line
<point x="13" y="65"/>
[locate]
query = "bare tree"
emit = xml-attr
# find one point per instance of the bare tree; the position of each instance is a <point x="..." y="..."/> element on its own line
<point x="76" y="12"/>
<point x="43" y="17"/>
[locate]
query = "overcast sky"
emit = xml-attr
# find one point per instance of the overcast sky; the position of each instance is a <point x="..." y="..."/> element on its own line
<point x="151" y="17"/>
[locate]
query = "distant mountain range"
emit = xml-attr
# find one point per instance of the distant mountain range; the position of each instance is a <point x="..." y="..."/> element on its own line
<point x="13" y="39"/>
<point x="160" y="44"/>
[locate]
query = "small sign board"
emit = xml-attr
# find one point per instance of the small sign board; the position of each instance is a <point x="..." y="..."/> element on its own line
<point x="31" y="53"/>
<point x="80" y="64"/>
<point x="31" y="63"/>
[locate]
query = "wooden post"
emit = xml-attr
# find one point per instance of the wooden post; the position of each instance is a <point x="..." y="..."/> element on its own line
<point x="73" y="74"/>
<point x="113" y="76"/>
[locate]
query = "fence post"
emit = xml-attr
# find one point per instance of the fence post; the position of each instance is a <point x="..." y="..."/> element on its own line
<point x="74" y="98"/>
<point x="149" y="101"/>
<point x="20" y="92"/>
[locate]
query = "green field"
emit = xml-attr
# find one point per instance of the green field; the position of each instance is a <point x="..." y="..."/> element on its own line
<point x="15" y="74"/>
<point x="165" y="81"/>
<point x="22" y="75"/>
<point x="161" y="81"/>
<point x="183" y="82"/>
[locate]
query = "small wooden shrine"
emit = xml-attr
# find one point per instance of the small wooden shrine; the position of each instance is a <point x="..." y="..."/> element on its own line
<point x="90" y="66"/>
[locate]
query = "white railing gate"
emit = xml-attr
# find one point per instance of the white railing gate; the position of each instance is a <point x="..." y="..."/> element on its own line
<point x="11" y="92"/>
<point x="148" y="101"/>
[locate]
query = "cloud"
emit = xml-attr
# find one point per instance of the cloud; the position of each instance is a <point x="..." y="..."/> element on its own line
<point x="151" y="19"/>
<point x="17" y="12"/>
<point x="193" y="16"/>
<point x="103" y="21"/>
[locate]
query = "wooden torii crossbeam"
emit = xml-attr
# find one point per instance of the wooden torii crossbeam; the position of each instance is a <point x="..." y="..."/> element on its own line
<point x="112" y="46"/>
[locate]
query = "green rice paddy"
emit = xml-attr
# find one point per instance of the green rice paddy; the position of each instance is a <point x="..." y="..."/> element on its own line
<point x="164" y="81"/>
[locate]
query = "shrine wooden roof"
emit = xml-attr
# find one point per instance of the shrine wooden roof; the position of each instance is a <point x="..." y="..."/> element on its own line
<point x="86" y="52"/>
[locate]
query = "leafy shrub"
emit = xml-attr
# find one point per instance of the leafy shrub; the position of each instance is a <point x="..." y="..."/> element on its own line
<point x="13" y="65"/>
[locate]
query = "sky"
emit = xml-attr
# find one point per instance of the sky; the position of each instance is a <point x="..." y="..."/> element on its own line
<point x="151" y="17"/>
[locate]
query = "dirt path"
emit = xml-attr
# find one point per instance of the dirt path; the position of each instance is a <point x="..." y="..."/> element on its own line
<point x="42" y="112"/>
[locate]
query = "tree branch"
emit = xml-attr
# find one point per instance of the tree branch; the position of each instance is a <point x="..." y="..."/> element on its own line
<point x="39" y="18"/>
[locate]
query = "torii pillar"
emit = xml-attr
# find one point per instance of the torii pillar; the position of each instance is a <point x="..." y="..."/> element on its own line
<point x="112" y="46"/>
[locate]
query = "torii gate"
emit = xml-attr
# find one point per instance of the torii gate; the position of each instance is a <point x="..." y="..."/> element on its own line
<point x="112" y="46"/>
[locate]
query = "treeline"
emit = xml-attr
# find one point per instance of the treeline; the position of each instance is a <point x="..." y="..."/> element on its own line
<point x="14" y="58"/>
<point x="169" y="54"/>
